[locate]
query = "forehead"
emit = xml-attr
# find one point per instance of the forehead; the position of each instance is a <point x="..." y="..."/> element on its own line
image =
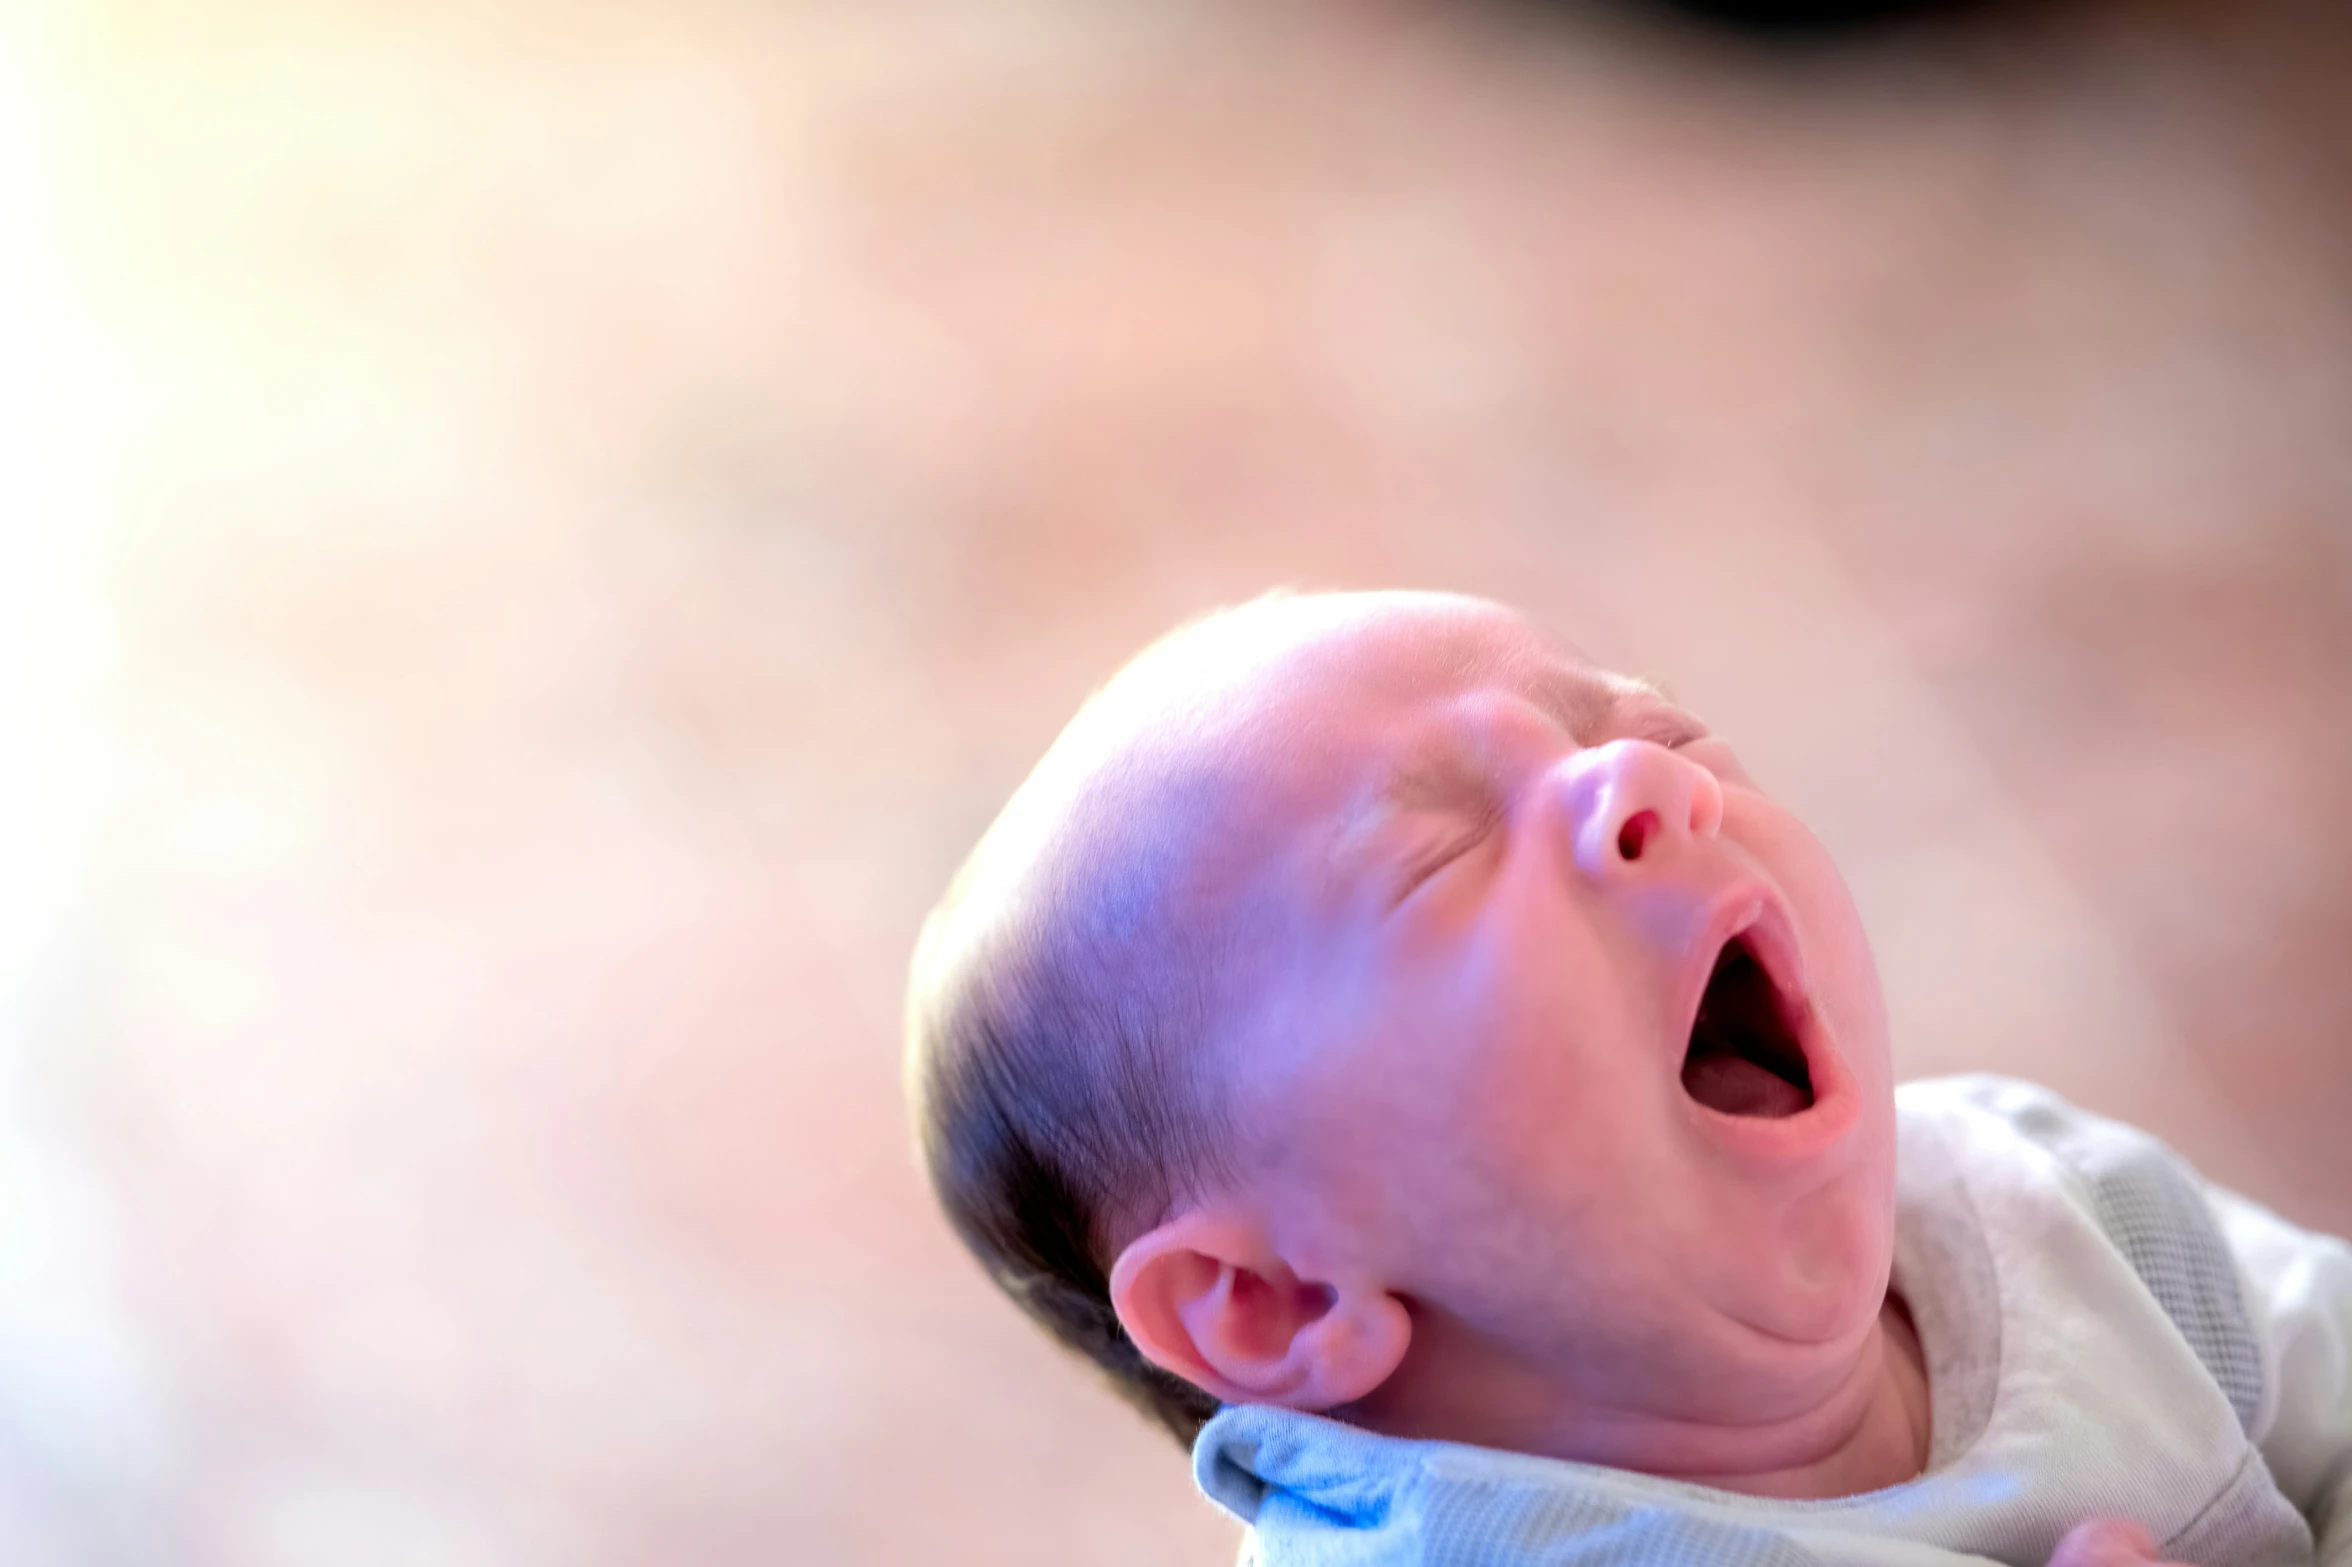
<point x="1199" y="773"/>
<point x="1352" y="686"/>
<point x="1239" y="743"/>
<point x="1316" y="713"/>
<point x="1412" y="643"/>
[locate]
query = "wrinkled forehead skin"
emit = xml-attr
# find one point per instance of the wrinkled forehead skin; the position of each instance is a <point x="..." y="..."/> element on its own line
<point x="1206" y="756"/>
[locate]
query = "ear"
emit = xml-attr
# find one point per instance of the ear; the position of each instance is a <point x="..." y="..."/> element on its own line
<point x="1206" y="1297"/>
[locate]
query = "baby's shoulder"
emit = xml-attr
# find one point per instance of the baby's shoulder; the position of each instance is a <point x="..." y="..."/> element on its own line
<point x="2109" y="1167"/>
<point x="2125" y="1187"/>
<point x="2010" y="1109"/>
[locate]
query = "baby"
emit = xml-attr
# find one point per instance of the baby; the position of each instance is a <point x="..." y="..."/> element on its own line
<point x="1429" y="1076"/>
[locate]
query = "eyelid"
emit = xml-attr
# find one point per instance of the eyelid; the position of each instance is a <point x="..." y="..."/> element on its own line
<point x="1673" y="732"/>
<point x="1419" y="872"/>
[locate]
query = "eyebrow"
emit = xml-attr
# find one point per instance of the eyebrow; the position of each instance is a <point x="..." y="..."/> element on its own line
<point x="1441" y="768"/>
<point x="1435" y="774"/>
<point x="1582" y="700"/>
<point x="1439" y="774"/>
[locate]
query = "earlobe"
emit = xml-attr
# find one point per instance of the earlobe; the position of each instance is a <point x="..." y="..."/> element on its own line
<point x="1205" y="1297"/>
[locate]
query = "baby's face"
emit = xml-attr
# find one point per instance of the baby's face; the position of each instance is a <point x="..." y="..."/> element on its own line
<point x="1580" y="1046"/>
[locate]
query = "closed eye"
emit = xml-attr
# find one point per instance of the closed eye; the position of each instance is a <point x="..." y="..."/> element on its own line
<point x="1673" y="732"/>
<point x="1422" y="869"/>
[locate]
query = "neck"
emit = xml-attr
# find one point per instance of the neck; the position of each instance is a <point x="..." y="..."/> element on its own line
<point x="1859" y="1425"/>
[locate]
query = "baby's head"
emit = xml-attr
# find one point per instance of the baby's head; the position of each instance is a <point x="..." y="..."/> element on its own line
<point x="1369" y="1007"/>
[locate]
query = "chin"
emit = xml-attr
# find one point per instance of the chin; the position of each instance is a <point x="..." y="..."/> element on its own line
<point x="1833" y="1257"/>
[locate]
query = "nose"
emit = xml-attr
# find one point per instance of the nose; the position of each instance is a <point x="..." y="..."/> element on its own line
<point x="1632" y="802"/>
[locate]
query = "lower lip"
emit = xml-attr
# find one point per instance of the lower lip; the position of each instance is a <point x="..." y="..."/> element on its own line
<point x="1790" y="1139"/>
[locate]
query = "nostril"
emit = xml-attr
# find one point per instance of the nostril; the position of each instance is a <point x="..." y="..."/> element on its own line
<point x="1635" y="835"/>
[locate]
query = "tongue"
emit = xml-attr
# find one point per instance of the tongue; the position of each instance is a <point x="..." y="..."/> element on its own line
<point x="1736" y="1085"/>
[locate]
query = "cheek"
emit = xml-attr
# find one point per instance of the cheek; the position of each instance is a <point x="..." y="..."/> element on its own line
<point x="1846" y="986"/>
<point x="1838" y="960"/>
<point x="1472" y="1160"/>
<point x="1569" y="1193"/>
<point x="1543" y="1089"/>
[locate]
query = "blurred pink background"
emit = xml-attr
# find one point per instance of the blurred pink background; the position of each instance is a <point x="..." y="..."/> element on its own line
<point x="536" y="536"/>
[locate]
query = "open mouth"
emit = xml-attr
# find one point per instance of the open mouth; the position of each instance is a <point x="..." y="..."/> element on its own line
<point x="1744" y="1057"/>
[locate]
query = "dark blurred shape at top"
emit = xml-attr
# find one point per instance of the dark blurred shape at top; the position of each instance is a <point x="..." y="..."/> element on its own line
<point x="1801" y="19"/>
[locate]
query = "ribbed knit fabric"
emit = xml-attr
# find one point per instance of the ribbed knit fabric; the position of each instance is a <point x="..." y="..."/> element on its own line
<point x="2090" y="1351"/>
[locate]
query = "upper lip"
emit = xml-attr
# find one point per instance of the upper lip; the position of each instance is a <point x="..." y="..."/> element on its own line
<point x="1750" y="912"/>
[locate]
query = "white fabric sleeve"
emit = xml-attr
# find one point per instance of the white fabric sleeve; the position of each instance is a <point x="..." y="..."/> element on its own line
<point x="2299" y="1295"/>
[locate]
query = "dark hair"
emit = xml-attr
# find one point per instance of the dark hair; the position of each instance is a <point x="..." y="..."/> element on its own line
<point x="1052" y="1062"/>
<point x="1073" y="995"/>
